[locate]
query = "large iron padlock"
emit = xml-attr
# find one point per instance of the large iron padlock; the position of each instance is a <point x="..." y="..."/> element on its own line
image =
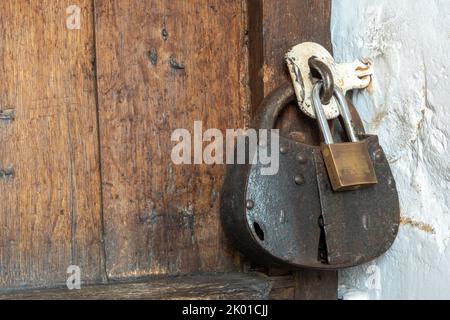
<point x="348" y="164"/>
<point x="294" y="219"/>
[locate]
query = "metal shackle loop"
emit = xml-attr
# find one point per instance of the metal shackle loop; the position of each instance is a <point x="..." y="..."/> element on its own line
<point x="343" y="110"/>
<point x="346" y="115"/>
<point x="326" y="76"/>
<point x="320" y="114"/>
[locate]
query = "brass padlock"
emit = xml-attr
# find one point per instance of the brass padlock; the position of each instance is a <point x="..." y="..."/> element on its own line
<point x="349" y="164"/>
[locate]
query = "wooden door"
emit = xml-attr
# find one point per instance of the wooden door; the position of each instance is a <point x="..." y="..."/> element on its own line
<point x="86" y="116"/>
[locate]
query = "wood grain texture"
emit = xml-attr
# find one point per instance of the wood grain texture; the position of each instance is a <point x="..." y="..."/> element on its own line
<point x="50" y="216"/>
<point x="274" y="28"/>
<point x="201" y="287"/>
<point x="316" y="285"/>
<point x="161" y="66"/>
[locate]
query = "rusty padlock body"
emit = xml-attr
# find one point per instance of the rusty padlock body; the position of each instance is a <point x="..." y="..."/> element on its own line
<point x="294" y="219"/>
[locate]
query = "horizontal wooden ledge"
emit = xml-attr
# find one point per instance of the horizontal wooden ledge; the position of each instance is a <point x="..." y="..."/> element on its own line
<point x="232" y="286"/>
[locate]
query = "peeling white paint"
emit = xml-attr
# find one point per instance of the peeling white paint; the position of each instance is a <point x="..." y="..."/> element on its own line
<point x="347" y="76"/>
<point x="409" y="108"/>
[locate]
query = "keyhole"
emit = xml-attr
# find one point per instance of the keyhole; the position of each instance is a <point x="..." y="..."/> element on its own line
<point x="259" y="231"/>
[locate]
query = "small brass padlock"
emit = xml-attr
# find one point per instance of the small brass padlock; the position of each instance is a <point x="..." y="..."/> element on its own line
<point x="349" y="164"/>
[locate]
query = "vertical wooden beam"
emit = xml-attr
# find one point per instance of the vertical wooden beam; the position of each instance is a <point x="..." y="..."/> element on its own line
<point x="274" y="27"/>
<point x="50" y="201"/>
<point x="316" y="285"/>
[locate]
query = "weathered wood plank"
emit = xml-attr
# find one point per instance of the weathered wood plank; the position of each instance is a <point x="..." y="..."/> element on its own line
<point x="316" y="285"/>
<point x="161" y="66"/>
<point x="50" y="215"/>
<point x="202" y="287"/>
<point x="274" y="27"/>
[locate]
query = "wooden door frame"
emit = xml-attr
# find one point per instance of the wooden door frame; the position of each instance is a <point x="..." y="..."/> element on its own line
<point x="274" y="28"/>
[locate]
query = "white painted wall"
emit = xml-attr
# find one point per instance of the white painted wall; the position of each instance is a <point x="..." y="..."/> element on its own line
<point x="409" y="108"/>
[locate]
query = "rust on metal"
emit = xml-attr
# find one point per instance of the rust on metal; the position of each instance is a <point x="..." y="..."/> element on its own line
<point x="347" y="76"/>
<point x="307" y="224"/>
<point x="324" y="74"/>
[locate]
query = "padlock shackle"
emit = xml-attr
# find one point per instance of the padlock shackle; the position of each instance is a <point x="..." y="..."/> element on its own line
<point x="315" y="64"/>
<point x="344" y="111"/>
<point x="320" y="114"/>
<point x="272" y="106"/>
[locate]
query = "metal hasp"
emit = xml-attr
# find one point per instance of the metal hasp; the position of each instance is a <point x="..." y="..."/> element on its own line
<point x="294" y="219"/>
<point x="305" y="59"/>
